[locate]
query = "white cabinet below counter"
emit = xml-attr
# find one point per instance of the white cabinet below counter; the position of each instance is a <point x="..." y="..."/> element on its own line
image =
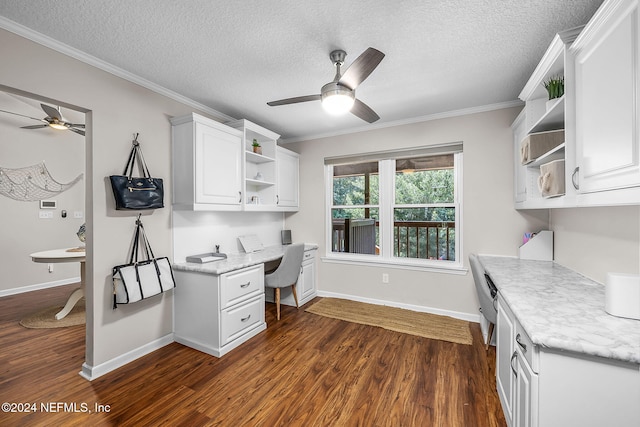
<point x="561" y="359"/>
<point x="217" y="313"/>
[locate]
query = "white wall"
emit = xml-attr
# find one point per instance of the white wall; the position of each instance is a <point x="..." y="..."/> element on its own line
<point x="199" y="232"/>
<point x="22" y="232"/>
<point x="116" y="109"/>
<point x="595" y="241"/>
<point x="491" y="225"/>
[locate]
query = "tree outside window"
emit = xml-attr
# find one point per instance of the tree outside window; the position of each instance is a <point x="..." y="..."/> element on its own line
<point x="418" y="211"/>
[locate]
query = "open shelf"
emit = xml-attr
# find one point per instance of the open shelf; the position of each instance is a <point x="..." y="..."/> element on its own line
<point x="258" y="158"/>
<point x="556" y="153"/>
<point x="551" y="119"/>
<point x="258" y="183"/>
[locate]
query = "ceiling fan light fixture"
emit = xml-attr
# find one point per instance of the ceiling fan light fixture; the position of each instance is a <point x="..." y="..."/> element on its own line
<point x="337" y="99"/>
<point x="57" y="126"/>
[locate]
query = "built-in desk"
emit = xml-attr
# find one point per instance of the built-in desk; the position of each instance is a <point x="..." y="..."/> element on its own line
<point x="562" y="360"/>
<point x="219" y="305"/>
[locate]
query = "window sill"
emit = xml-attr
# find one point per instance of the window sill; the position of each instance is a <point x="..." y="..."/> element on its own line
<point x="399" y="263"/>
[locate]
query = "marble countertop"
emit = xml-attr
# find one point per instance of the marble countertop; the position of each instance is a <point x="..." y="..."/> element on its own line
<point x="238" y="261"/>
<point x="561" y="309"/>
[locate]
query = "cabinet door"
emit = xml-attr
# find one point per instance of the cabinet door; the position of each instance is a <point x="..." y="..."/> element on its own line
<point x="307" y="279"/>
<point x="287" y="164"/>
<point x="519" y="185"/>
<point x="526" y="385"/>
<point x="606" y="66"/>
<point x="505" y="378"/>
<point x="218" y="172"/>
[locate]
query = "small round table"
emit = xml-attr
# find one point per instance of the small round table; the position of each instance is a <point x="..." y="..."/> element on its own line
<point x="65" y="255"/>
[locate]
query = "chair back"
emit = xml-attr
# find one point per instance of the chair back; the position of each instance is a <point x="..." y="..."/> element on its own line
<point x="487" y="306"/>
<point x="289" y="269"/>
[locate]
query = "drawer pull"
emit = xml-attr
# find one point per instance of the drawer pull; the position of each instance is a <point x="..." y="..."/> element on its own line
<point x="245" y="285"/>
<point x="244" y="319"/>
<point x="515" y="356"/>
<point x="522" y="346"/>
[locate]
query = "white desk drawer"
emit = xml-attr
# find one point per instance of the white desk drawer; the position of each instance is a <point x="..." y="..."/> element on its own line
<point x="236" y="321"/>
<point x="526" y="348"/>
<point x="239" y="285"/>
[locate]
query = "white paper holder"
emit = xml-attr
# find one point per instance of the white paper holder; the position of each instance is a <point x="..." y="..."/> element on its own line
<point x="539" y="247"/>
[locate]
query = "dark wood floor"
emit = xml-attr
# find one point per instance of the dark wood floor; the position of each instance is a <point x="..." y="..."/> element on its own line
<point x="304" y="370"/>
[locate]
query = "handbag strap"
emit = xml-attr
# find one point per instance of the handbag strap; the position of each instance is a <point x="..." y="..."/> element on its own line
<point x="133" y="256"/>
<point x="147" y="246"/>
<point x="141" y="246"/>
<point x="136" y="153"/>
<point x="145" y="243"/>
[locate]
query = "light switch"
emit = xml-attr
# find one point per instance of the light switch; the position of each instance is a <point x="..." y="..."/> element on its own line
<point x="46" y="214"/>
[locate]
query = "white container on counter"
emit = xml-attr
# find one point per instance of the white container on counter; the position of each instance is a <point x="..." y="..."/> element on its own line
<point x="622" y="295"/>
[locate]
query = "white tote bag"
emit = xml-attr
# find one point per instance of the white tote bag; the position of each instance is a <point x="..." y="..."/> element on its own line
<point x="140" y="279"/>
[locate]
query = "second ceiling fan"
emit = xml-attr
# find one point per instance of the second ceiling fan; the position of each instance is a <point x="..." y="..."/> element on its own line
<point x="53" y="120"/>
<point x="339" y="95"/>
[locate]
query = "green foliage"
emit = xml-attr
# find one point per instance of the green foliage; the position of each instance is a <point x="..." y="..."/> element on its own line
<point x="425" y="187"/>
<point x="422" y="187"/>
<point x="555" y="87"/>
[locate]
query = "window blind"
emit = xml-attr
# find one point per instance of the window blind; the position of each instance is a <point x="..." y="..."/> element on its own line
<point x="430" y="150"/>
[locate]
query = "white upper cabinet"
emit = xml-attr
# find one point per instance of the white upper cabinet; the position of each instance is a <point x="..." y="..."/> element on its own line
<point x="216" y="167"/>
<point x="607" y="55"/>
<point x="259" y="165"/>
<point x="544" y="116"/>
<point x="288" y="164"/>
<point x="600" y="114"/>
<point x="270" y="172"/>
<point x="520" y="172"/>
<point x="207" y="164"/>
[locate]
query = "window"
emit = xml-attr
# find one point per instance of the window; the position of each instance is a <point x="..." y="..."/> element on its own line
<point x="402" y="208"/>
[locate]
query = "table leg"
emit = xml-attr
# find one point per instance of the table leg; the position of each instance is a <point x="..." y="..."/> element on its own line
<point x="75" y="296"/>
<point x="71" y="302"/>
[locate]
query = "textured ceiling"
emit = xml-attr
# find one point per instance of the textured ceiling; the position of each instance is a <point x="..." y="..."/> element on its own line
<point x="234" y="56"/>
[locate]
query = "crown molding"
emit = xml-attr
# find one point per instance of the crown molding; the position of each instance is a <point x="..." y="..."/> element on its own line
<point x="413" y="120"/>
<point x="72" y="52"/>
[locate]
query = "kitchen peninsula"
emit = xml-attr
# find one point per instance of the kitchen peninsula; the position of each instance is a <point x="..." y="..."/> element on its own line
<point x="561" y="358"/>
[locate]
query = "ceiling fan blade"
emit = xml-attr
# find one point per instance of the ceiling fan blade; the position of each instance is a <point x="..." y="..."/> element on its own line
<point x="78" y="131"/>
<point x="52" y="112"/>
<point x="362" y="110"/>
<point x="34" y="127"/>
<point x="294" y="100"/>
<point x="360" y="69"/>
<point x="22" y="115"/>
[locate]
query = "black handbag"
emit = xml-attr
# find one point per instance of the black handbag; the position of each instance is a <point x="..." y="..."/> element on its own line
<point x="141" y="278"/>
<point x="140" y="193"/>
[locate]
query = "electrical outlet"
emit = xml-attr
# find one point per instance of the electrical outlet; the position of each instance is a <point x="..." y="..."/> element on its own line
<point x="45" y="214"/>
<point x="385" y="278"/>
<point x="77" y="214"/>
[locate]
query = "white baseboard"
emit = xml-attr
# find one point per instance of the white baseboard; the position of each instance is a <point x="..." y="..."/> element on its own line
<point x="92" y="372"/>
<point x="38" y="286"/>
<point x="455" y="314"/>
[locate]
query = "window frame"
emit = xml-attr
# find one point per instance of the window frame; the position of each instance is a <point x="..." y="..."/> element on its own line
<point x="386" y="205"/>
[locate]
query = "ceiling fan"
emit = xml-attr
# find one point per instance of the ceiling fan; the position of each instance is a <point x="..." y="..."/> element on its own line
<point x="339" y="95"/>
<point x="54" y="120"/>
